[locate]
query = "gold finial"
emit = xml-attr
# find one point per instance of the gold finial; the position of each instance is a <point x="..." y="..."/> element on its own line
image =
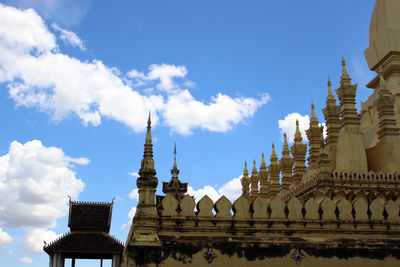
<point x="344" y="70"/>
<point x="330" y="93"/>
<point x="285" y="150"/>
<point x="345" y="76"/>
<point x="263" y="165"/>
<point x="147" y="172"/>
<point x="274" y="157"/>
<point x="245" y="171"/>
<point x="313" y="110"/>
<point x="148" y="135"/>
<point x="254" y="171"/>
<point x="297" y="135"/>
<point x="175" y="170"/>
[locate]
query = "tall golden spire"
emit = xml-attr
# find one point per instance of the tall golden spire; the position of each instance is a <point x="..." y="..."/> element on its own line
<point x="351" y="154"/>
<point x="175" y="187"/>
<point x="332" y="117"/>
<point x="254" y="182"/>
<point x="245" y="180"/>
<point x="143" y="228"/>
<point x="175" y="170"/>
<point x="286" y="164"/>
<point x="274" y="171"/>
<point x="264" y="187"/>
<point x="147" y="172"/>
<point x="299" y="151"/>
<point x="313" y="135"/>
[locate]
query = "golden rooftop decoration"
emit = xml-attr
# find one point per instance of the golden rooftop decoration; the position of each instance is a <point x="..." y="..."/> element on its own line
<point x="341" y="209"/>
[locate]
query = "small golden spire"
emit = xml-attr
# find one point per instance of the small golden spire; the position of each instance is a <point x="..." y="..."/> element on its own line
<point x="148" y="135"/>
<point x="285" y="150"/>
<point x="175" y="170"/>
<point x="254" y="171"/>
<point x="274" y="157"/>
<point x="297" y="135"/>
<point x="313" y="110"/>
<point x="147" y="172"/>
<point x="245" y="171"/>
<point x="330" y="93"/>
<point x="345" y="76"/>
<point x="263" y="165"/>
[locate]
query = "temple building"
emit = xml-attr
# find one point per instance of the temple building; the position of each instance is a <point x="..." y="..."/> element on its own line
<point x="341" y="208"/>
<point x="88" y="238"/>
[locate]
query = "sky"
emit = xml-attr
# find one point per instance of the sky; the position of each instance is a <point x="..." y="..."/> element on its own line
<point x="222" y="79"/>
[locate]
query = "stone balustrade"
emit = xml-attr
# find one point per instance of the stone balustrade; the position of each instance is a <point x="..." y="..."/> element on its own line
<point x="358" y="215"/>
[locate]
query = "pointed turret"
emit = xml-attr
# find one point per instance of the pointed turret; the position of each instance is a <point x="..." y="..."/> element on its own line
<point x="175" y="170"/>
<point x="147" y="173"/>
<point x="332" y="118"/>
<point x="385" y="106"/>
<point x="386" y="153"/>
<point x="313" y="135"/>
<point x="264" y="185"/>
<point x="245" y="180"/>
<point x="175" y="187"/>
<point x="323" y="161"/>
<point x="254" y="181"/>
<point x="351" y="153"/>
<point x="274" y="171"/>
<point x="286" y="164"/>
<point x="143" y="228"/>
<point x="299" y="151"/>
<point x="345" y="78"/>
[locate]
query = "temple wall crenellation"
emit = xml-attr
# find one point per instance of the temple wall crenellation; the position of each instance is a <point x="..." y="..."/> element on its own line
<point x="358" y="215"/>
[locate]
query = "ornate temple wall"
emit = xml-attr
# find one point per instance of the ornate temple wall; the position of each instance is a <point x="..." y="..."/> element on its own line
<point x="284" y="261"/>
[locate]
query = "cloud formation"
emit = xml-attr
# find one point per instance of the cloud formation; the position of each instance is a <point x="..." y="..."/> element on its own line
<point x="26" y="260"/>
<point x="39" y="76"/>
<point x="232" y="190"/>
<point x="288" y="125"/>
<point x="69" y="37"/>
<point x="35" y="182"/>
<point x="5" y="238"/>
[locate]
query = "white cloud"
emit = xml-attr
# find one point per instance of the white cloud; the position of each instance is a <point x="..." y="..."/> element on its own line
<point x="26" y="260"/>
<point x="34" y="237"/>
<point x="132" y="213"/>
<point x="39" y="75"/>
<point x="5" y="238"/>
<point x="69" y="37"/>
<point x="288" y="126"/>
<point x="184" y="113"/>
<point x="35" y="182"/>
<point x="134" y="194"/>
<point x="126" y="226"/>
<point x="232" y="190"/>
<point x="133" y="174"/>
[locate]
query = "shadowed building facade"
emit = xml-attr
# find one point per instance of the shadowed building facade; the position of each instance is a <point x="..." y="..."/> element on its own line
<point x="342" y="208"/>
<point x="88" y="238"/>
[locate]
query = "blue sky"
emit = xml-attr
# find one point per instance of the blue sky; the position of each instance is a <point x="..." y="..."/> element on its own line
<point x="77" y="79"/>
